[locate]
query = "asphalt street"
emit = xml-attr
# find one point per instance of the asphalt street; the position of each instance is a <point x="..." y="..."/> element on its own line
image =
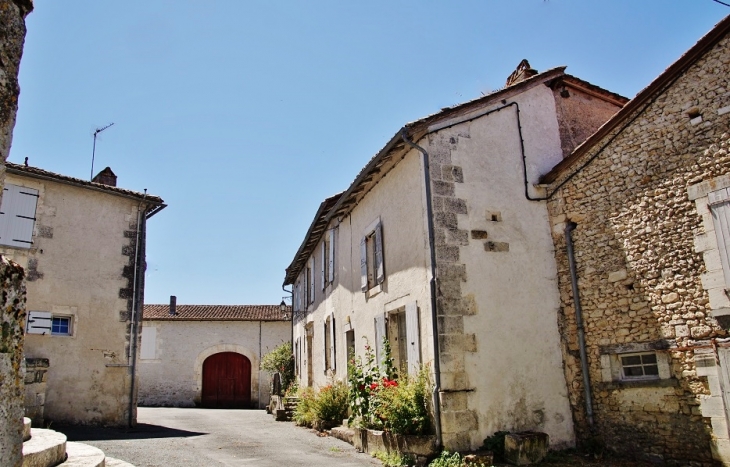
<point x="207" y="437"/>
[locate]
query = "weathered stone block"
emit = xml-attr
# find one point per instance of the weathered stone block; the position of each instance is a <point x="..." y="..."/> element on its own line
<point x="526" y="448"/>
<point x="496" y="246"/>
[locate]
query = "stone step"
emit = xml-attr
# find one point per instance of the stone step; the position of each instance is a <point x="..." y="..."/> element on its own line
<point x="83" y="455"/>
<point x="112" y="462"/>
<point x="26" y="429"/>
<point x="45" y="448"/>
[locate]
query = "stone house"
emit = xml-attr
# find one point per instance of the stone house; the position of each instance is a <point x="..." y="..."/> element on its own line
<point x="644" y="304"/>
<point x="82" y="246"/>
<point x="208" y="355"/>
<point x="442" y="244"/>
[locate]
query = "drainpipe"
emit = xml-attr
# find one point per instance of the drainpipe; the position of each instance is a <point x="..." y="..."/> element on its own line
<point x="259" y="378"/>
<point x="136" y="285"/>
<point x="434" y="315"/>
<point x="579" y="321"/>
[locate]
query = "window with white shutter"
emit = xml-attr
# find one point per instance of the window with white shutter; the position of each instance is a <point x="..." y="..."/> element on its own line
<point x="39" y="322"/>
<point x="17" y="216"/>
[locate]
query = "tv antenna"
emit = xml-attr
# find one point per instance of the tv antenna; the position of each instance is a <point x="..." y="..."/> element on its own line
<point x="93" y="151"/>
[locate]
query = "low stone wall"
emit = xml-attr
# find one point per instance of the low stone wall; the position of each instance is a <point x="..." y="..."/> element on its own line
<point x="35" y="389"/>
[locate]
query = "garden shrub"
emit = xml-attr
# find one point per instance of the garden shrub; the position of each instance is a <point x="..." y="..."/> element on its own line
<point x="394" y="459"/>
<point x="280" y="360"/>
<point x="447" y="459"/>
<point x="304" y="413"/>
<point x="323" y="407"/>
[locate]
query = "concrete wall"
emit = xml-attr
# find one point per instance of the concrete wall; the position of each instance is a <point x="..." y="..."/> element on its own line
<point x="650" y="277"/>
<point x="174" y="377"/>
<point x="500" y="356"/>
<point x="79" y="266"/>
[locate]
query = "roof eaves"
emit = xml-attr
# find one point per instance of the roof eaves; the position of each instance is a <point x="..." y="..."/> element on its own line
<point x="657" y="86"/>
<point x="34" y="172"/>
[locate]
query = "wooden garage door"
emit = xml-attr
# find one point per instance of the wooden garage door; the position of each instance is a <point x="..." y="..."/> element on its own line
<point x="226" y="381"/>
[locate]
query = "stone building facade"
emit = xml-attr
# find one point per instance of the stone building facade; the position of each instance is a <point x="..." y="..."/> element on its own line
<point x="179" y="342"/>
<point x="82" y="246"/>
<point x="641" y="203"/>
<point x="432" y="239"/>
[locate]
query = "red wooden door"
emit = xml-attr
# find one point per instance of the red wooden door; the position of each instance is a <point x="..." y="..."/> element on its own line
<point x="226" y="381"/>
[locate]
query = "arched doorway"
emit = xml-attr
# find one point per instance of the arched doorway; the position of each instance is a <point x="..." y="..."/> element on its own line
<point x="226" y="381"/>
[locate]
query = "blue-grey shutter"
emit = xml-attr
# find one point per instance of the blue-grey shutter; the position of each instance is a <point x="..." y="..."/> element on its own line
<point x="364" y="264"/>
<point x="379" y="336"/>
<point x="17" y="216"/>
<point x="323" y="274"/>
<point x="333" y="355"/>
<point x="379" y="267"/>
<point x="39" y="322"/>
<point x="413" y="338"/>
<point x="331" y="270"/>
<point x="311" y="281"/>
<point x="324" y="347"/>
<point x="719" y="202"/>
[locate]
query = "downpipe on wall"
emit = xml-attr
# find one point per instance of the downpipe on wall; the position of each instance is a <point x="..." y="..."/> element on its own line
<point x="579" y="321"/>
<point x="434" y="315"/>
<point x="138" y="273"/>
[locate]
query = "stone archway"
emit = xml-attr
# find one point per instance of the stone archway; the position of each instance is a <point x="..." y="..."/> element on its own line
<point x="222" y="348"/>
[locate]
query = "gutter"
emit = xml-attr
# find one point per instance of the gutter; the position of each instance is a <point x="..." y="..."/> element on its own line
<point x="434" y="315"/>
<point x="579" y="321"/>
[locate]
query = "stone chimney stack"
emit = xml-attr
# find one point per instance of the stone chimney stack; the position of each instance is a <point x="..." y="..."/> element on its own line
<point x="173" y="305"/>
<point x="106" y="177"/>
<point x="521" y="73"/>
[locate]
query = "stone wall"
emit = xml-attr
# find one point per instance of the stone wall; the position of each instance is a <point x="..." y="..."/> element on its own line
<point x="12" y="322"/>
<point x="640" y="274"/>
<point x="35" y="389"/>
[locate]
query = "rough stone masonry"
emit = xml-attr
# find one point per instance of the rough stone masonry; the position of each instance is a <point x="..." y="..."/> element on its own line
<point x="12" y="291"/>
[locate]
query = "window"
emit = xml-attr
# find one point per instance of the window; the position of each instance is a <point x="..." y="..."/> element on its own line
<point x="309" y="283"/>
<point x="639" y="366"/>
<point x="17" y="216"/>
<point x="329" y="344"/>
<point x="328" y="259"/>
<point x="401" y="328"/>
<point x="61" y="326"/>
<point x="46" y="323"/>
<point x="372" y="269"/>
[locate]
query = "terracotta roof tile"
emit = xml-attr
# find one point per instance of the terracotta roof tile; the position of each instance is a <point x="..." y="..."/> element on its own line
<point x="216" y="313"/>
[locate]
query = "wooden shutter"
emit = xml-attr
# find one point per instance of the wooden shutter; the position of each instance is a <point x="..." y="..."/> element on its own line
<point x="323" y="260"/>
<point x="379" y="336"/>
<point x="364" y="264"/>
<point x="331" y="259"/>
<point x="379" y="267"/>
<point x="39" y="322"/>
<point x="332" y="343"/>
<point x="324" y="347"/>
<point x="720" y="207"/>
<point x="17" y="216"/>
<point x="413" y="338"/>
<point x="311" y="281"/>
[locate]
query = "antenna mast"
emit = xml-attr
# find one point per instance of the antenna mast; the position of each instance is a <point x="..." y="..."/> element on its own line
<point x="93" y="151"/>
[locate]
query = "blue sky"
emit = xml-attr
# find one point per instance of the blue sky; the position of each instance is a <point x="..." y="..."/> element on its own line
<point x="244" y="115"/>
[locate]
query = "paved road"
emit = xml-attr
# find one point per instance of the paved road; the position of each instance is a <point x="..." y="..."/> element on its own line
<point x="205" y="437"/>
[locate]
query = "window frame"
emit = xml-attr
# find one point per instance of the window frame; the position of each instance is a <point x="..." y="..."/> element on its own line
<point x="69" y="321"/>
<point x="644" y="376"/>
<point x="372" y="259"/>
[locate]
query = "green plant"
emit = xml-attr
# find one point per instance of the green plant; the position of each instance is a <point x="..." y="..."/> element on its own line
<point x="394" y="459"/>
<point x="402" y="407"/>
<point x="304" y="413"/>
<point x="495" y="443"/>
<point x="330" y="405"/>
<point x="447" y="459"/>
<point x="280" y="360"/>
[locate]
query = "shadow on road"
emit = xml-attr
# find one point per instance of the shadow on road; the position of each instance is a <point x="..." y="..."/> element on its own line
<point x="141" y="431"/>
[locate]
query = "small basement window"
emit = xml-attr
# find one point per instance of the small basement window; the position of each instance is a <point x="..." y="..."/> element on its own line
<point x="639" y="366"/>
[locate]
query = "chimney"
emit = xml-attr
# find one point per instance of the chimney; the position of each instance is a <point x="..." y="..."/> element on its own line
<point x="173" y="305"/>
<point x="105" y="177"/>
<point x="521" y="73"/>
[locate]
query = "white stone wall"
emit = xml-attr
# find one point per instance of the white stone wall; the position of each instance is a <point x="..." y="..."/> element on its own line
<point x="75" y="268"/>
<point x="174" y="377"/>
